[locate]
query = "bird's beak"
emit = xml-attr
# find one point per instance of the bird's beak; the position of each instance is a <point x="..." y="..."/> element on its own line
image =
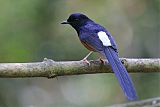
<point x="65" y="22"/>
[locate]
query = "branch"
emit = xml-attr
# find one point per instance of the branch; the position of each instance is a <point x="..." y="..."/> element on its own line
<point x="153" y="102"/>
<point x="49" y="68"/>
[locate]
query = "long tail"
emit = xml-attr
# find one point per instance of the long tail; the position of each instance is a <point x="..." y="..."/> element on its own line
<point x="121" y="73"/>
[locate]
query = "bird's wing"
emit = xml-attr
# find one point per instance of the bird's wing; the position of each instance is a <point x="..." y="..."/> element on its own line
<point x="93" y="41"/>
<point x="111" y="38"/>
<point x="90" y="33"/>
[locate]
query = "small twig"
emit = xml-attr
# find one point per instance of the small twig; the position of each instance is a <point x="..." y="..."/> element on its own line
<point x="153" y="102"/>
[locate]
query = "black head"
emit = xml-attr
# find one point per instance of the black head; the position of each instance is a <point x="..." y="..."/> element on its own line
<point x="76" y="20"/>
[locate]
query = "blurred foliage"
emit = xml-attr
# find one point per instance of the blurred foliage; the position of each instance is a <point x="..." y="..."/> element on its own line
<point x="30" y="30"/>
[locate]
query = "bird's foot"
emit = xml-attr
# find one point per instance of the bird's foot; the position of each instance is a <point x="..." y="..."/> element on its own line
<point x="102" y="61"/>
<point x="86" y="61"/>
<point x="85" y="58"/>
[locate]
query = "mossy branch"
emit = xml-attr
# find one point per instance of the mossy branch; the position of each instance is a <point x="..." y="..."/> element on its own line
<point x="49" y="68"/>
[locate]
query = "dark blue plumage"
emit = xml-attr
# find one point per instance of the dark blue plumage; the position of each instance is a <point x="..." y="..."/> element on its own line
<point x="96" y="38"/>
<point x="121" y="73"/>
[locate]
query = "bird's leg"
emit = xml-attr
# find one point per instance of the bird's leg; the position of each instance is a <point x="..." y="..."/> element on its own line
<point x="85" y="58"/>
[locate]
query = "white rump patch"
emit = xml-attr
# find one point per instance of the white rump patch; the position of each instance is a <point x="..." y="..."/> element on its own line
<point x="104" y="38"/>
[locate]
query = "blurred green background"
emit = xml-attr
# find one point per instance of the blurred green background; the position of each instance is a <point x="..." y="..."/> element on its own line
<point x="30" y="30"/>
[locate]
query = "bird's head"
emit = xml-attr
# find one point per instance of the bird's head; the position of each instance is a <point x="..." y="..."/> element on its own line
<point x="76" y="20"/>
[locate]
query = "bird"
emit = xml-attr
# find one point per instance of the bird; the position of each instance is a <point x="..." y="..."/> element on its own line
<point x="98" y="39"/>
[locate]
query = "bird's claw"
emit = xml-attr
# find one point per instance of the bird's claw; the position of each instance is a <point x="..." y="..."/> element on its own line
<point x="86" y="61"/>
<point x="102" y="61"/>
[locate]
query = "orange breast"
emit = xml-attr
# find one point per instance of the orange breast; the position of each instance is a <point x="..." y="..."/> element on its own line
<point x="89" y="47"/>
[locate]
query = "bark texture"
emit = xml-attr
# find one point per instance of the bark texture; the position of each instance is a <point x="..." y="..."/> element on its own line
<point x="49" y="68"/>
